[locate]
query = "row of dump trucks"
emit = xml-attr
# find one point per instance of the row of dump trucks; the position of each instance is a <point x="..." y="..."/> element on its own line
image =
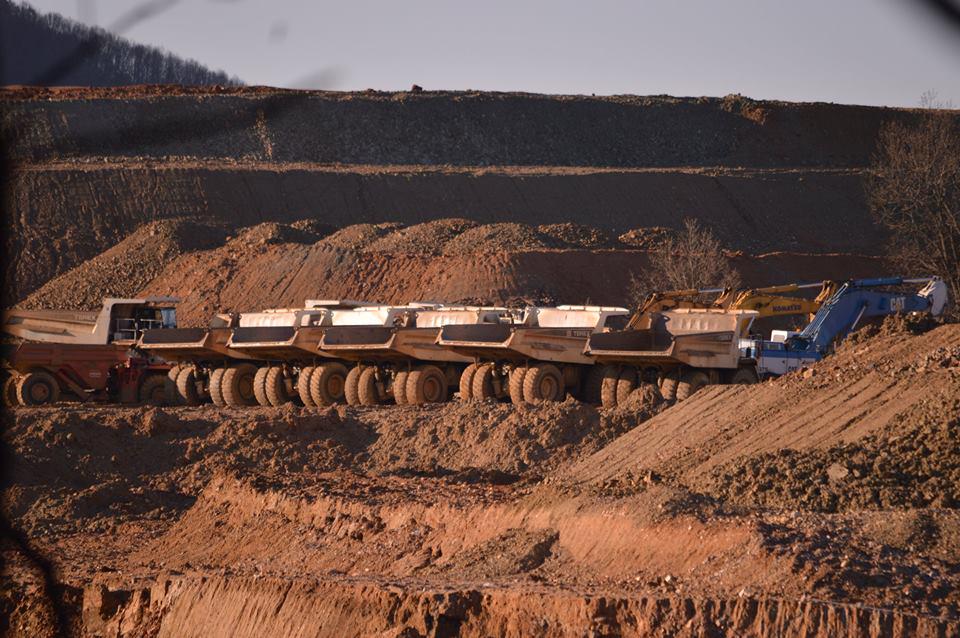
<point x="333" y="351"/>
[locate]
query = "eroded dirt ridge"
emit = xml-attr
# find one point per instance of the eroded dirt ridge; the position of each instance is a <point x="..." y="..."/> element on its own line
<point x="825" y="503"/>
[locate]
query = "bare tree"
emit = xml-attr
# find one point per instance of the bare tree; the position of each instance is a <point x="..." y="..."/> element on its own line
<point x="914" y="192"/>
<point x="692" y="258"/>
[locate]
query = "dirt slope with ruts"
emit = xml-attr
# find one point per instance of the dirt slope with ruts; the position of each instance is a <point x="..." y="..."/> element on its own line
<point x="876" y="425"/>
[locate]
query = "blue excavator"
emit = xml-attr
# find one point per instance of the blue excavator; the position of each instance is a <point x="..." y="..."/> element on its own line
<point x="854" y="303"/>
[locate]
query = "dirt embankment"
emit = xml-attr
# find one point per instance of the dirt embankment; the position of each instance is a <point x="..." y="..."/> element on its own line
<point x="439" y="128"/>
<point x="877" y="425"/>
<point x="485" y="518"/>
<point x="56" y="218"/>
<point x="279" y="265"/>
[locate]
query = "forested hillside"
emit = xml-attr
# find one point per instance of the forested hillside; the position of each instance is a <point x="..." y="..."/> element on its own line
<point x="50" y="50"/>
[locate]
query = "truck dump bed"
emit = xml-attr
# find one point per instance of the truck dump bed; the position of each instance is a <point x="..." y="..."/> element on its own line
<point x="280" y="335"/>
<point x="397" y="343"/>
<point x="191" y="344"/>
<point x="702" y="338"/>
<point x="545" y="334"/>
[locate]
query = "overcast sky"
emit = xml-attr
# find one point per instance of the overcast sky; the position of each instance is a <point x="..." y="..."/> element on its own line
<point x="883" y="52"/>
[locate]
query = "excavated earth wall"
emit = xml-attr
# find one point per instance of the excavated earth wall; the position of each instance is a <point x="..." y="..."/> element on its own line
<point x="90" y="165"/>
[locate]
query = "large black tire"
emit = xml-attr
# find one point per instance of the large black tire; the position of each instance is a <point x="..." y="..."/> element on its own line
<point x="351" y="388"/>
<point x="10" y="399"/>
<point x="400" y="387"/>
<point x="744" y="376"/>
<point x="593" y="385"/>
<point x="668" y="383"/>
<point x="367" y="387"/>
<point x="187" y="393"/>
<point x="427" y="384"/>
<point x="238" y="385"/>
<point x="275" y="389"/>
<point x="260" y="386"/>
<point x="466" y="382"/>
<point x="543" y="382"/>
<point x="153" y="390"/>
<point x="37" y="388"/>
<point x="327" y="383"/>
<point x="690" y="382"/>
<point x="216" y="387"/>
<point x="515" y="385"/>
<point x="173" y="397"/>
<point x="303" y="386"/>
<point x="609" y="385"/>
<point x="626" y="383"/>
<point x="483" y="383"/>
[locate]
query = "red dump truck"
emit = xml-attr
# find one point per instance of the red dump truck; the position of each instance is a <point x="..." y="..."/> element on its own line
<point x="87" y="356"/>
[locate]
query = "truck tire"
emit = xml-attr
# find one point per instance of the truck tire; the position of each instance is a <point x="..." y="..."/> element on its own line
<point x="187" y="387"/>
<point x="483" y="383"/>
<point x="327" y="383"/>
<point x="427" y="384"/>
<point x="743" y="376"/>
<point x="216" y="387"/>
<point x="400" y="387"/>
<point x="260" y="386"/>
<point x="515" y="385"/>
<point x="351" y="388"/>
<point x="367" y="387"/>
<point x="237" y="385"/>
<point x="543" y="382"/>
<point x="466" y="382"/>
<point x="593" y="385"/>
<point x="10" y="391"/>
<point x="153" y="390"/>
<point x="303" y="386"/>
<point x="37" y="388"/>
<point x="608" y="387"/>
<point x="626" y="384"/>
<point x="173" y="398"/>
<point x="690" y="382"/>
<point x="668" y="385"/>
<point x="274" y="388"/>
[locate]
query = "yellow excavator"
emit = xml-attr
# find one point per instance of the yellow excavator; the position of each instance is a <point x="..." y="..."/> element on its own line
<point x="769" y="301"/>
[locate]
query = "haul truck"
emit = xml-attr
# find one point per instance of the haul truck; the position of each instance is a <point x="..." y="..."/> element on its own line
<point x="88" y="356"/>
<point x="209" y="367"/>
<point x="533" y="358"/>
<point x="402" y="359"/>
<point x="287" y="346"/>
<point x="681" y="350"/>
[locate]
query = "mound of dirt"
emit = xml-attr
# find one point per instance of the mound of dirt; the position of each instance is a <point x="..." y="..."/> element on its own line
<point x="572" y="235"/>
<point x="875" y="425"/>
<point x="303" y="232"/>
<point x="359" y="236"/>
<point x="912" y="463"/>
<point x="428" y="238"/>
<point x="646" y="238"/>
<point x="489" y="436"/>
<point x="499" y="237"/>
<point x="141" y="461"/>
<point x="127" y="268"/>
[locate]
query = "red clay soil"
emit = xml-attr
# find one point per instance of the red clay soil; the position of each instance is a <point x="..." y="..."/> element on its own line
<point x="271" y="265"/>
<point x="60" y="216"/>
<point x="486" y="519"/>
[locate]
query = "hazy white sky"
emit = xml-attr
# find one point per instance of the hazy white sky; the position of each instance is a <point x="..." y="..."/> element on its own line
<point x="885" y="52"/>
